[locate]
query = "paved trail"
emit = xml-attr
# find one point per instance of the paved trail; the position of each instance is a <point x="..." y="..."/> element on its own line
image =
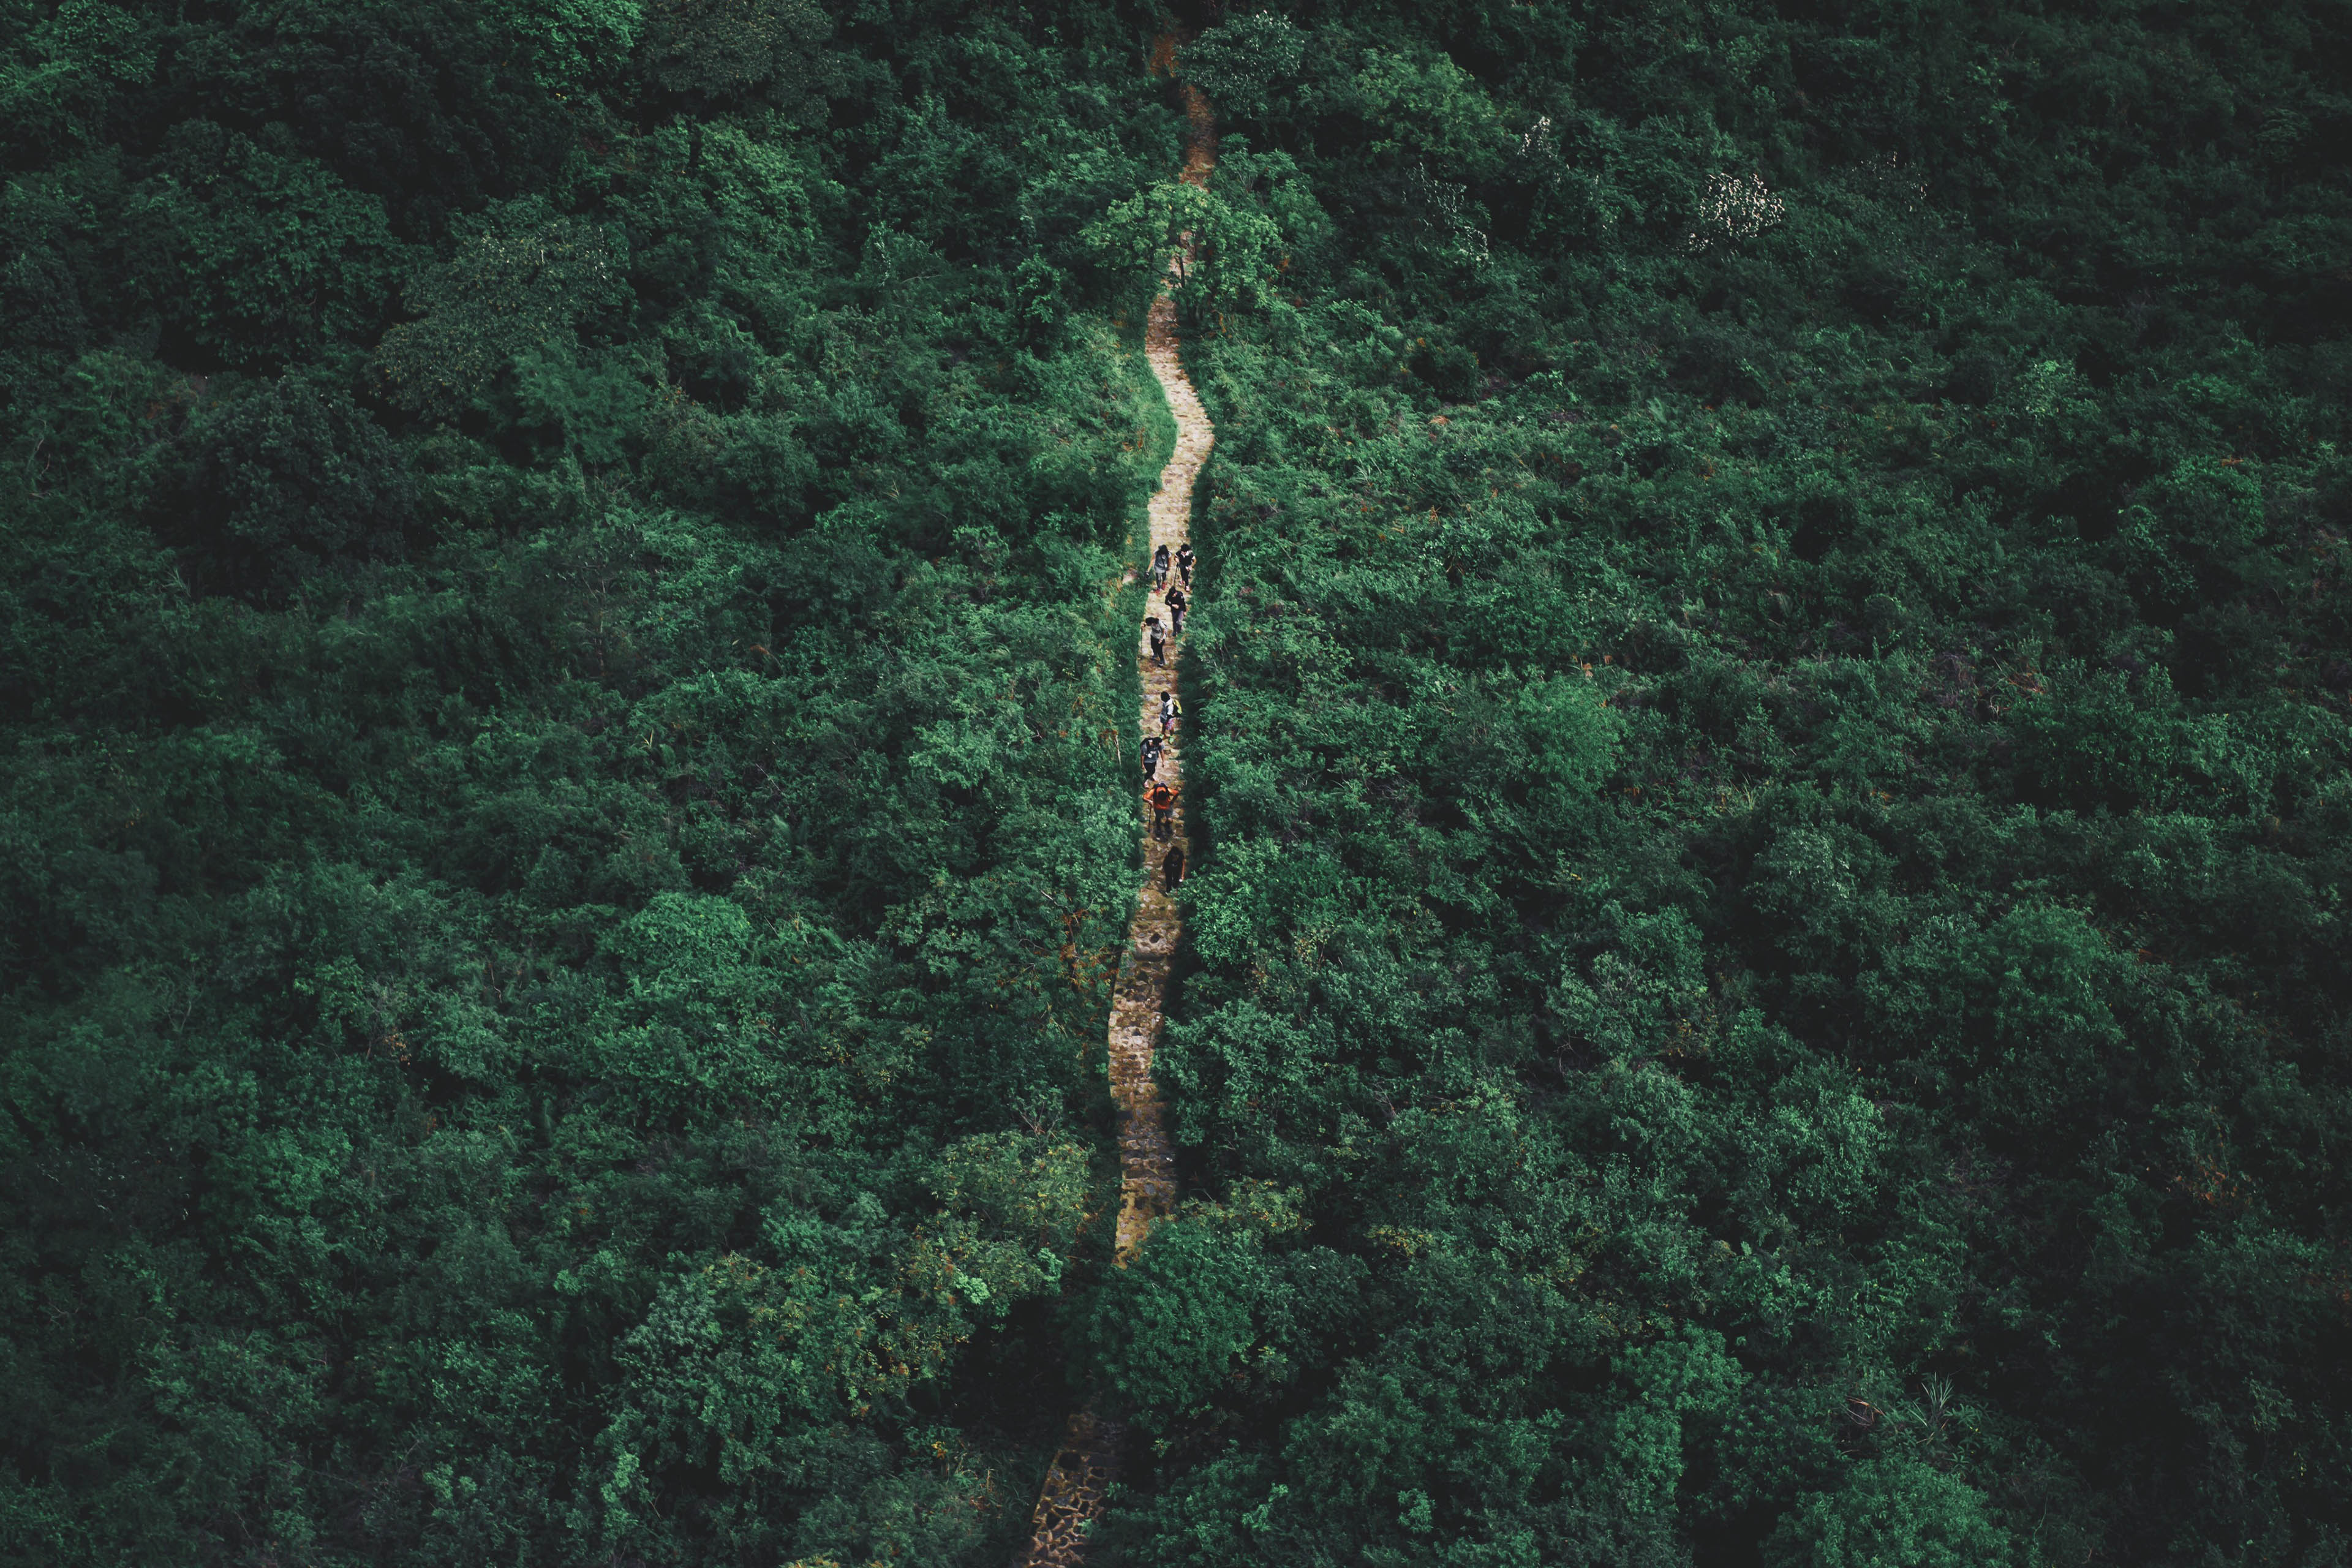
<point x="1072" y="1498"/>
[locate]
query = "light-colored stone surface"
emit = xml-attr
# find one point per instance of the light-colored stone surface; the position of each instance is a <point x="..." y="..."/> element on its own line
<point x="1072" y="1498"/>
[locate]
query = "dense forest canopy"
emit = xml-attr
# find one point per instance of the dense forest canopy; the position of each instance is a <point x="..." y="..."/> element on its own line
<point x="1770" y="752"/>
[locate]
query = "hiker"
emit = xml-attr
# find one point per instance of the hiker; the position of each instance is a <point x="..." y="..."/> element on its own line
<point x="1158" y="640"/>
<point x="1162" y="798"/>
<point x="1160" y="567"/>
<point x="1169" y="710"/>
<point x="1152" y="746"/>
<point x="1178" y="600"/>
<point x="1173" y="866"/>
<point x="1184" y="562"/>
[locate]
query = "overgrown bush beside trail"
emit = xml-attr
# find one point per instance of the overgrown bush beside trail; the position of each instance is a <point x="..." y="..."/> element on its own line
<point x="568" y="806"/>
<point x="1770" y="728"/>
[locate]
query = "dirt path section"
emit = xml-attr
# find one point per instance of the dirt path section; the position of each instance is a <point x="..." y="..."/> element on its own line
<point x="1146" y="1160"/>
<point x="1072" y="1498"/>
<point x="1200" y="137"/>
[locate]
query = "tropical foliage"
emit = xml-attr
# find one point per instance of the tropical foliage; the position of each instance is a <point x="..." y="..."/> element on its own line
<point x="1774" y="687"/>
<point x="564" y="805"/>
<point x="1771" y="702"/>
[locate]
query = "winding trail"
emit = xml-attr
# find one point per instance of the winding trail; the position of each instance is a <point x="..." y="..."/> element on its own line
<point x="1080" y="1475"/>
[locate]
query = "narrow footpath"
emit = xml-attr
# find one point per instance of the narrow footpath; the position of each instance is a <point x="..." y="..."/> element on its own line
<point x="1081" y="1473"/>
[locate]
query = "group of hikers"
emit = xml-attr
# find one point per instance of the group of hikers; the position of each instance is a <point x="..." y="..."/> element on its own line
<point x="1157" y="793"/>
<point x="1177" y="599"/>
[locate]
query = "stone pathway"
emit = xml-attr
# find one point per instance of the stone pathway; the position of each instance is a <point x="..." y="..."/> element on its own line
<point x="1072" y="1498"/>
<point x="1146" y="1160"/>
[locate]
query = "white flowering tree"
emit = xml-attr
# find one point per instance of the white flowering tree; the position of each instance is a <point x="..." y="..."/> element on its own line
<point x="1735" y="207"/>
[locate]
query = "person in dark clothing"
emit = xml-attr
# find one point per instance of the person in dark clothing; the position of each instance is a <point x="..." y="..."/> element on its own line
<point x="1184" y="562"/>
<point x="1177" y="603"/>
<point x="1152" y="746"/>
<point x="1160" y="567"/>
<point x="1173" y="867"/>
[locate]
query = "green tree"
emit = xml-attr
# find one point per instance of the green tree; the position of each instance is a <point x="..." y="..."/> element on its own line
<point x="1243" y="61"/>
<point x="1896" y="1513"/>
<point x="1169" y="1329"/>
<point x="522" y="280"/>
<point x="1227" y="250"/>
<point x="284" y="485"/>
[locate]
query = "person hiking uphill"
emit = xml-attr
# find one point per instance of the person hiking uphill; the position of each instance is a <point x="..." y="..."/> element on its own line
<point x="1159" y="639"/>
<point x="1162" y="798"/>
<point x="1178" y="602"/>
<point x="1160" y="567"/>
<point x="1184" y="562"/>
<point x="1152" y="746"/>
<point x="1173" y="866"/>
<point x="1169" y="711"/>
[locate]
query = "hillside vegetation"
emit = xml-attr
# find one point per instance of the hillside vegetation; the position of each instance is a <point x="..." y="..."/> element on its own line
<point x="565" y="796"/>
<point x="1771" y="946"/>
<point x="1770" y="755"/>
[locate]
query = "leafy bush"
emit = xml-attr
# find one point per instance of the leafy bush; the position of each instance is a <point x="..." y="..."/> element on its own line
<point x="283" y="484"/>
